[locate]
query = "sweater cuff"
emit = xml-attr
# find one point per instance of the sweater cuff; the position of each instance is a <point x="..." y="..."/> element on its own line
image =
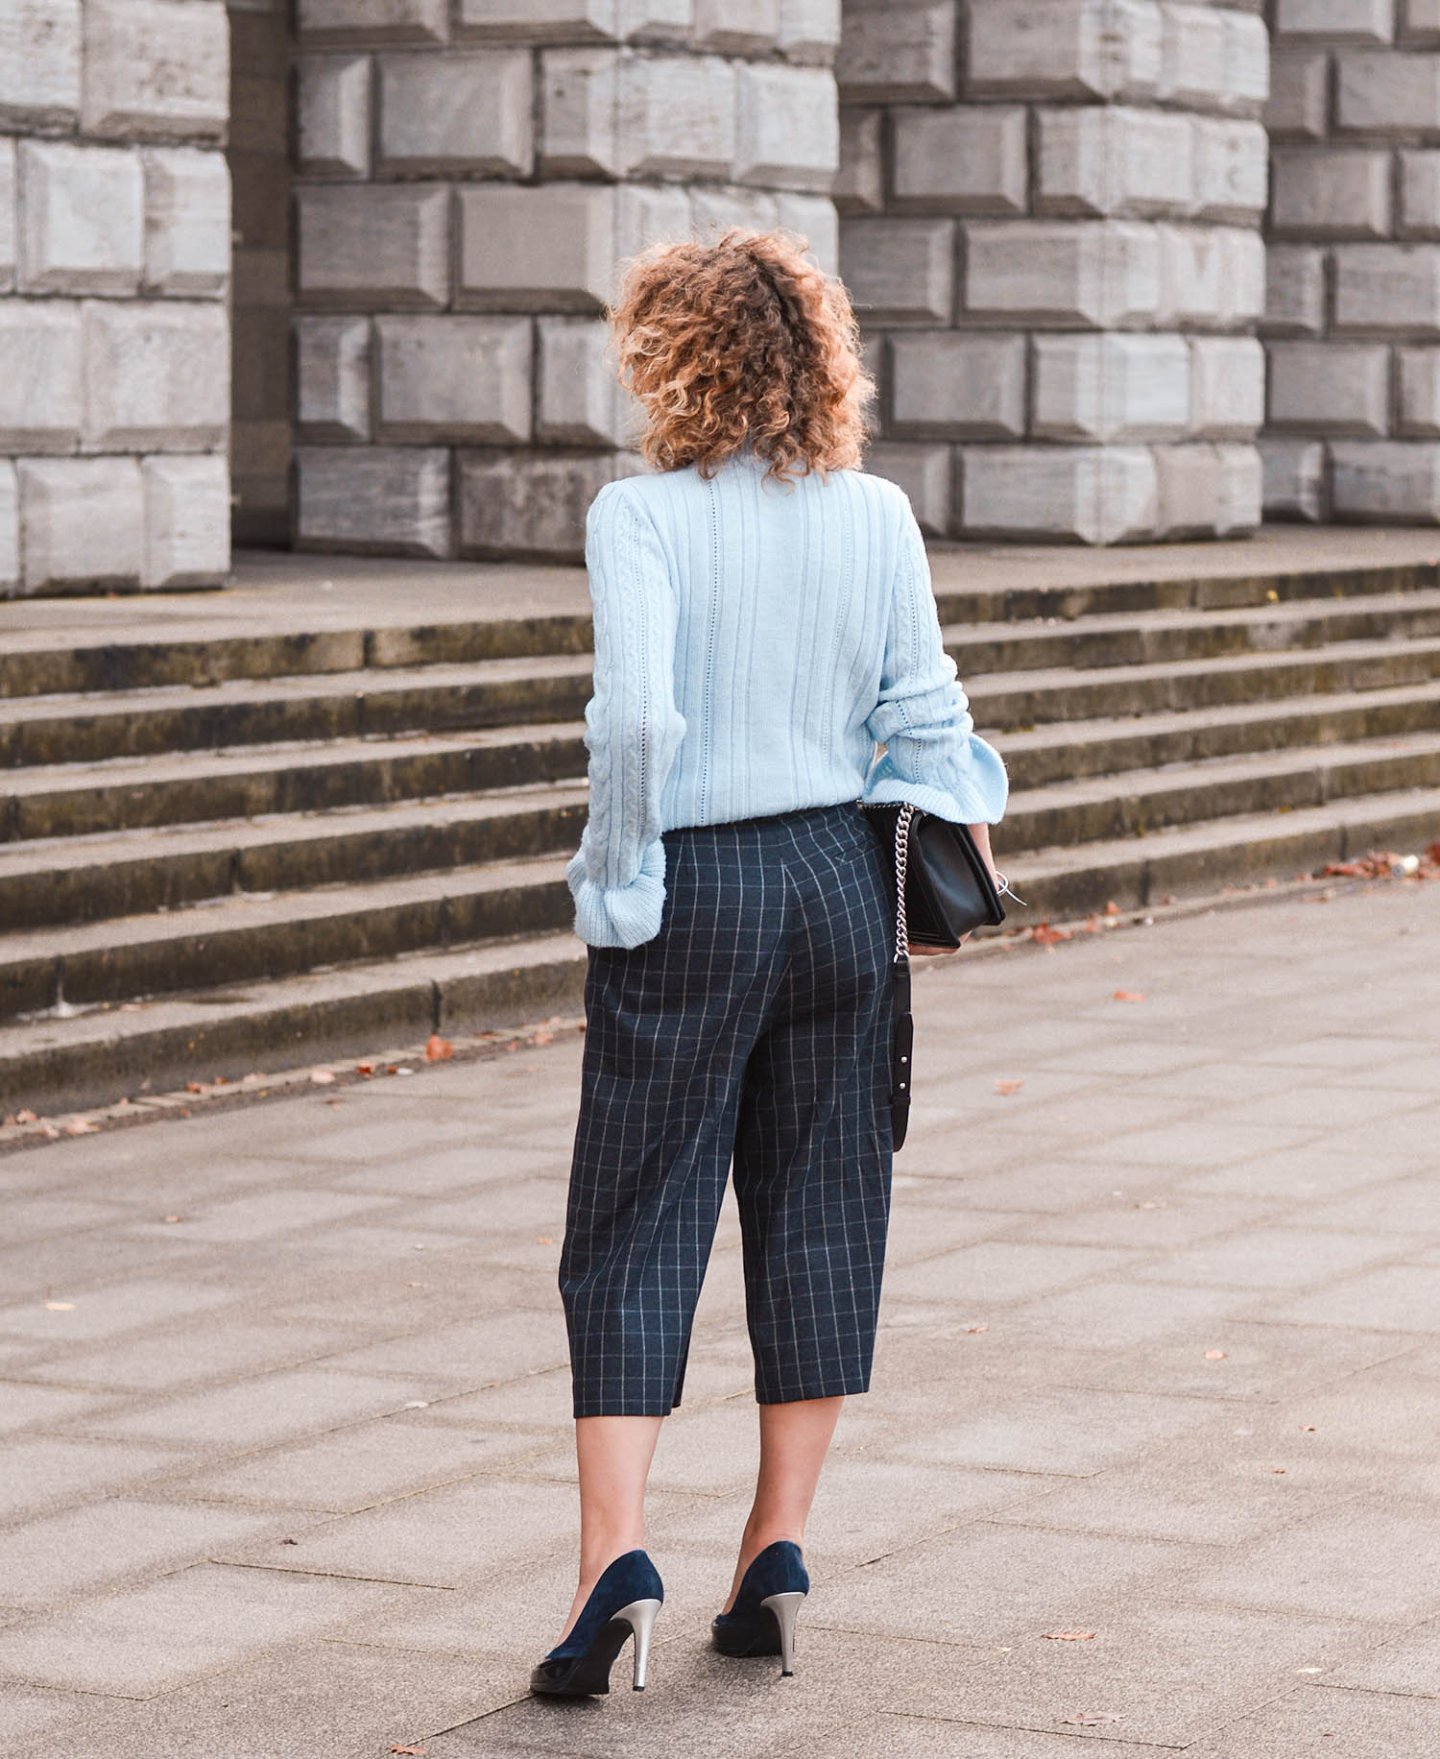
<point x="619" y="916"/>
<point x="976" y="795"/>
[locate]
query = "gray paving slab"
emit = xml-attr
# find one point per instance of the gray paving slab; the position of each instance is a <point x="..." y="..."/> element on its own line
<point x="1158" y="1359"/>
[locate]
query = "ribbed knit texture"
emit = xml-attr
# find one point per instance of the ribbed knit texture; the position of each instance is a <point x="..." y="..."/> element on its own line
<point x="753" y="644"/>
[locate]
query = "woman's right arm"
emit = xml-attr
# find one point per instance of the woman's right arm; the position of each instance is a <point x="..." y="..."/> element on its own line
<point x="933" y="757"/>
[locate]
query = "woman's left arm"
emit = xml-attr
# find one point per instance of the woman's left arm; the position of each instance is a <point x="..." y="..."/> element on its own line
<point x="633" y="727"/>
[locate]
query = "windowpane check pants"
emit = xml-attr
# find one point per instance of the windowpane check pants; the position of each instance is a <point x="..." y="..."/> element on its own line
<point x="755" y="1026"/>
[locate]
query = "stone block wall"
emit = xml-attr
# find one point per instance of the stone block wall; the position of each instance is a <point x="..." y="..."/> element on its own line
<point x="114" y="271"/>
<point x="467" y="178"/>
<point x="1050" y="223"/>
<point x="1352" y="319"/>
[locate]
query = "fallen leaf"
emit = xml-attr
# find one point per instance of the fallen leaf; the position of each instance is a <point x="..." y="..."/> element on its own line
<point x="1006" y="1088"/>
<point x="420" y="1750"/>
<point x="1216" y="1355"/>
<point x="1045" y="936"/>
<point x="1128" y="995"/>
<point x="1091" y="924"/>
<point x="365" y="1069"/>
<point x="1309" y="1428"/>
<point x="59" y="1306"/>
<point x="26" y="1117"/>
<point x="542" y="1038"/>
<point x="975" y="1330"/>
<point x="437" y="1049"/>
<point x="322" y="1077"/>
<point x="193" y="1087"/>
<point x="1068" y="1636"/>
<point x="1088" y="1718"/>
<point x="1279" y="1471"/>
<point x="81" y="1127"/>
<point x="1112" y="908"/>
<point x="172" y="1218"/>
<point x="544" y="1240"/>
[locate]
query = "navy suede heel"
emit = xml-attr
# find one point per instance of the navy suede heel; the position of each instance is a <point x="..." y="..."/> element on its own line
<point x="762" y="1620"/>
<point x="623" y="1602"/>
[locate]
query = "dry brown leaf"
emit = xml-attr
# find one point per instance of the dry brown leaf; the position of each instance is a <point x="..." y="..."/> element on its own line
<point x="1128" y="995"/>
<point x="1045" y="936"/>
<point x="420" y="1750"/>
<point x="59" y="1306"/>
<point x="365" y="1069"/>
<point x="542" y="1037"/>
<point x="26" y="1116"/>
<point x="544" y="1240"/>
<point x="1216" y="1355"/>
<point x="81" y="1127"/>
<point x="1088" y="1718"/>
<point x="1112" y="908"/>
<point x="975" y="1330"/>
<point x="322" y="1077"/>
<point x="172" y="1218"/>
<point x="1068" y="1636"/>
<point x="1006" y="1088"/>
<point x="437" y="1049"/>
<point x="193" y="1087"/>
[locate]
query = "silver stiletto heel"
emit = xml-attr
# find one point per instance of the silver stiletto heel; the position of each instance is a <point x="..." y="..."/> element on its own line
<point x="785" y="1607"/>
<point x="640" y="1616"/>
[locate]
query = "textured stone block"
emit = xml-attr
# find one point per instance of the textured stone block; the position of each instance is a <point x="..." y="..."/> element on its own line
<point x="1247" y="68"/>
<point x="1064" y="48"/>
<point x="456" y="112"/>
<point x="332" y="378"/>
<point x="899" y="271"/>
<point x="788" y="127"/>
<point x="927" y="475"/>
<point x="187" y="521"/>
<point x="809" y="30"/>
<point x="1330" y="387"/>
<point x="156" y="375"/>
<point x="1192" y="57"/>
<point x="580" y="401"/>
<point x="1421" y="22"/>
<point x="1380" y="92"/>
<point x="1207" y="490"/>
<point x="1227" y="385"/>
<point x="379" y="500"/>
<point x="1418" y="373"/>
<point x="9" y="201"/>
<point x="532" y="249"/>
<point x="580" y="97"/>
<point x="373" y="21"/>
<point x="963" y="159"/>
<point x="902" y="54"/>
<point x="540" y="21"/>
<point x="948" y="383"/>
<point x="158" y="69"/>
<point x="677" y="116"/>
<point x="82" y="219"/>
<point x="83" y="520"/>
<point x="1385" y="481"/>
<point x="1331" y="192"/>
<point x="1210" y="275"/>
<point x="528" y="504"/>
<point x="655" y="21"/>
<point x="1420" y="194"/>
<point x="1294" y="290"/>
<point x="39" y="62"/>
<point x="374" y="246"/>
<point x="1101" y="273"/>
<point x="1102" y="159"/>
<point x="442" y="378"/>
<point x="715" y="207"/>
<point x="1093" y="494"/>
<point x="1387" y="287"/>
<point x="1293" y="478"/>
<point x="1112" y="387"/>
<point x="1299" y="94"/>
<point x="814" y="218"/>
<point x="1231" y="162"/>
<point x="9" y="528"/>
<point x="41" y="369"/>
<point x="332" y="115"/>
<point x="736" y="27"/>
<point x="187" y="221"/>
<point x="1351" y="21"/>
<point x="859" y="186"/>
<point x="651" y="213"/>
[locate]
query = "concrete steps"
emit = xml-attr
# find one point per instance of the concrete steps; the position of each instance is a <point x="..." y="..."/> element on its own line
<point x="259" y="849"/>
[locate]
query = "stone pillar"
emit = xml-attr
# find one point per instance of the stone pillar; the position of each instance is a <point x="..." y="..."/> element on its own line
<point x="114" y="267"/>
<point x="1049" y="223"/>
<point x="1352" y="321"/>
<point x="467" y="179"/>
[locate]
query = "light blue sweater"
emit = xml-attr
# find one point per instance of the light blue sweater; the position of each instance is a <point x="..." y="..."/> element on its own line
<point x="752" y="645"/>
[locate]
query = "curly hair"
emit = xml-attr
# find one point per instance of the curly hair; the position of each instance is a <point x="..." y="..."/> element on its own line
<point x="737" y="341"/>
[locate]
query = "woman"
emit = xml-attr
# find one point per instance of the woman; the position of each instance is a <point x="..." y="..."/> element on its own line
<point x="763" y="617"/>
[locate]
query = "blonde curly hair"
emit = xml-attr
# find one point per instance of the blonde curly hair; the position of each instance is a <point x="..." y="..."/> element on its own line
<point x="741" y="340"/>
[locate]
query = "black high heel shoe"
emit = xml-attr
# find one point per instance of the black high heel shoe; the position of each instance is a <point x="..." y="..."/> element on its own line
<point x="762" y="1620"/>
<point x="623" y="1602"/>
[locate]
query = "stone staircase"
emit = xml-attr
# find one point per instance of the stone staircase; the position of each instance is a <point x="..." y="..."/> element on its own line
<point x="253" y="851"/>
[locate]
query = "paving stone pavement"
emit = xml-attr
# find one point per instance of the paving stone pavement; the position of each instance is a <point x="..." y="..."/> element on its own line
<point x="1149" y="1463"/>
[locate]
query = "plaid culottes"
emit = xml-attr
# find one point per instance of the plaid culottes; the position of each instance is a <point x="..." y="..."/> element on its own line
<point x="757" y="1024"/>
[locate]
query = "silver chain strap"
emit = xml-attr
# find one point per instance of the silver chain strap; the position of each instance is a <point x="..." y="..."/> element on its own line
<point x="902" y="857"/>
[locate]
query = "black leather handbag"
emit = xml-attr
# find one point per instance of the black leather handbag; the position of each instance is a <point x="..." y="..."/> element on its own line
<point x="942" y="890"/>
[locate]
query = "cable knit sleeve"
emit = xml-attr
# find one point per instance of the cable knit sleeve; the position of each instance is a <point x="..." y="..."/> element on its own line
<point x="932" y="756"/>
<point x="633" y="728"/>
